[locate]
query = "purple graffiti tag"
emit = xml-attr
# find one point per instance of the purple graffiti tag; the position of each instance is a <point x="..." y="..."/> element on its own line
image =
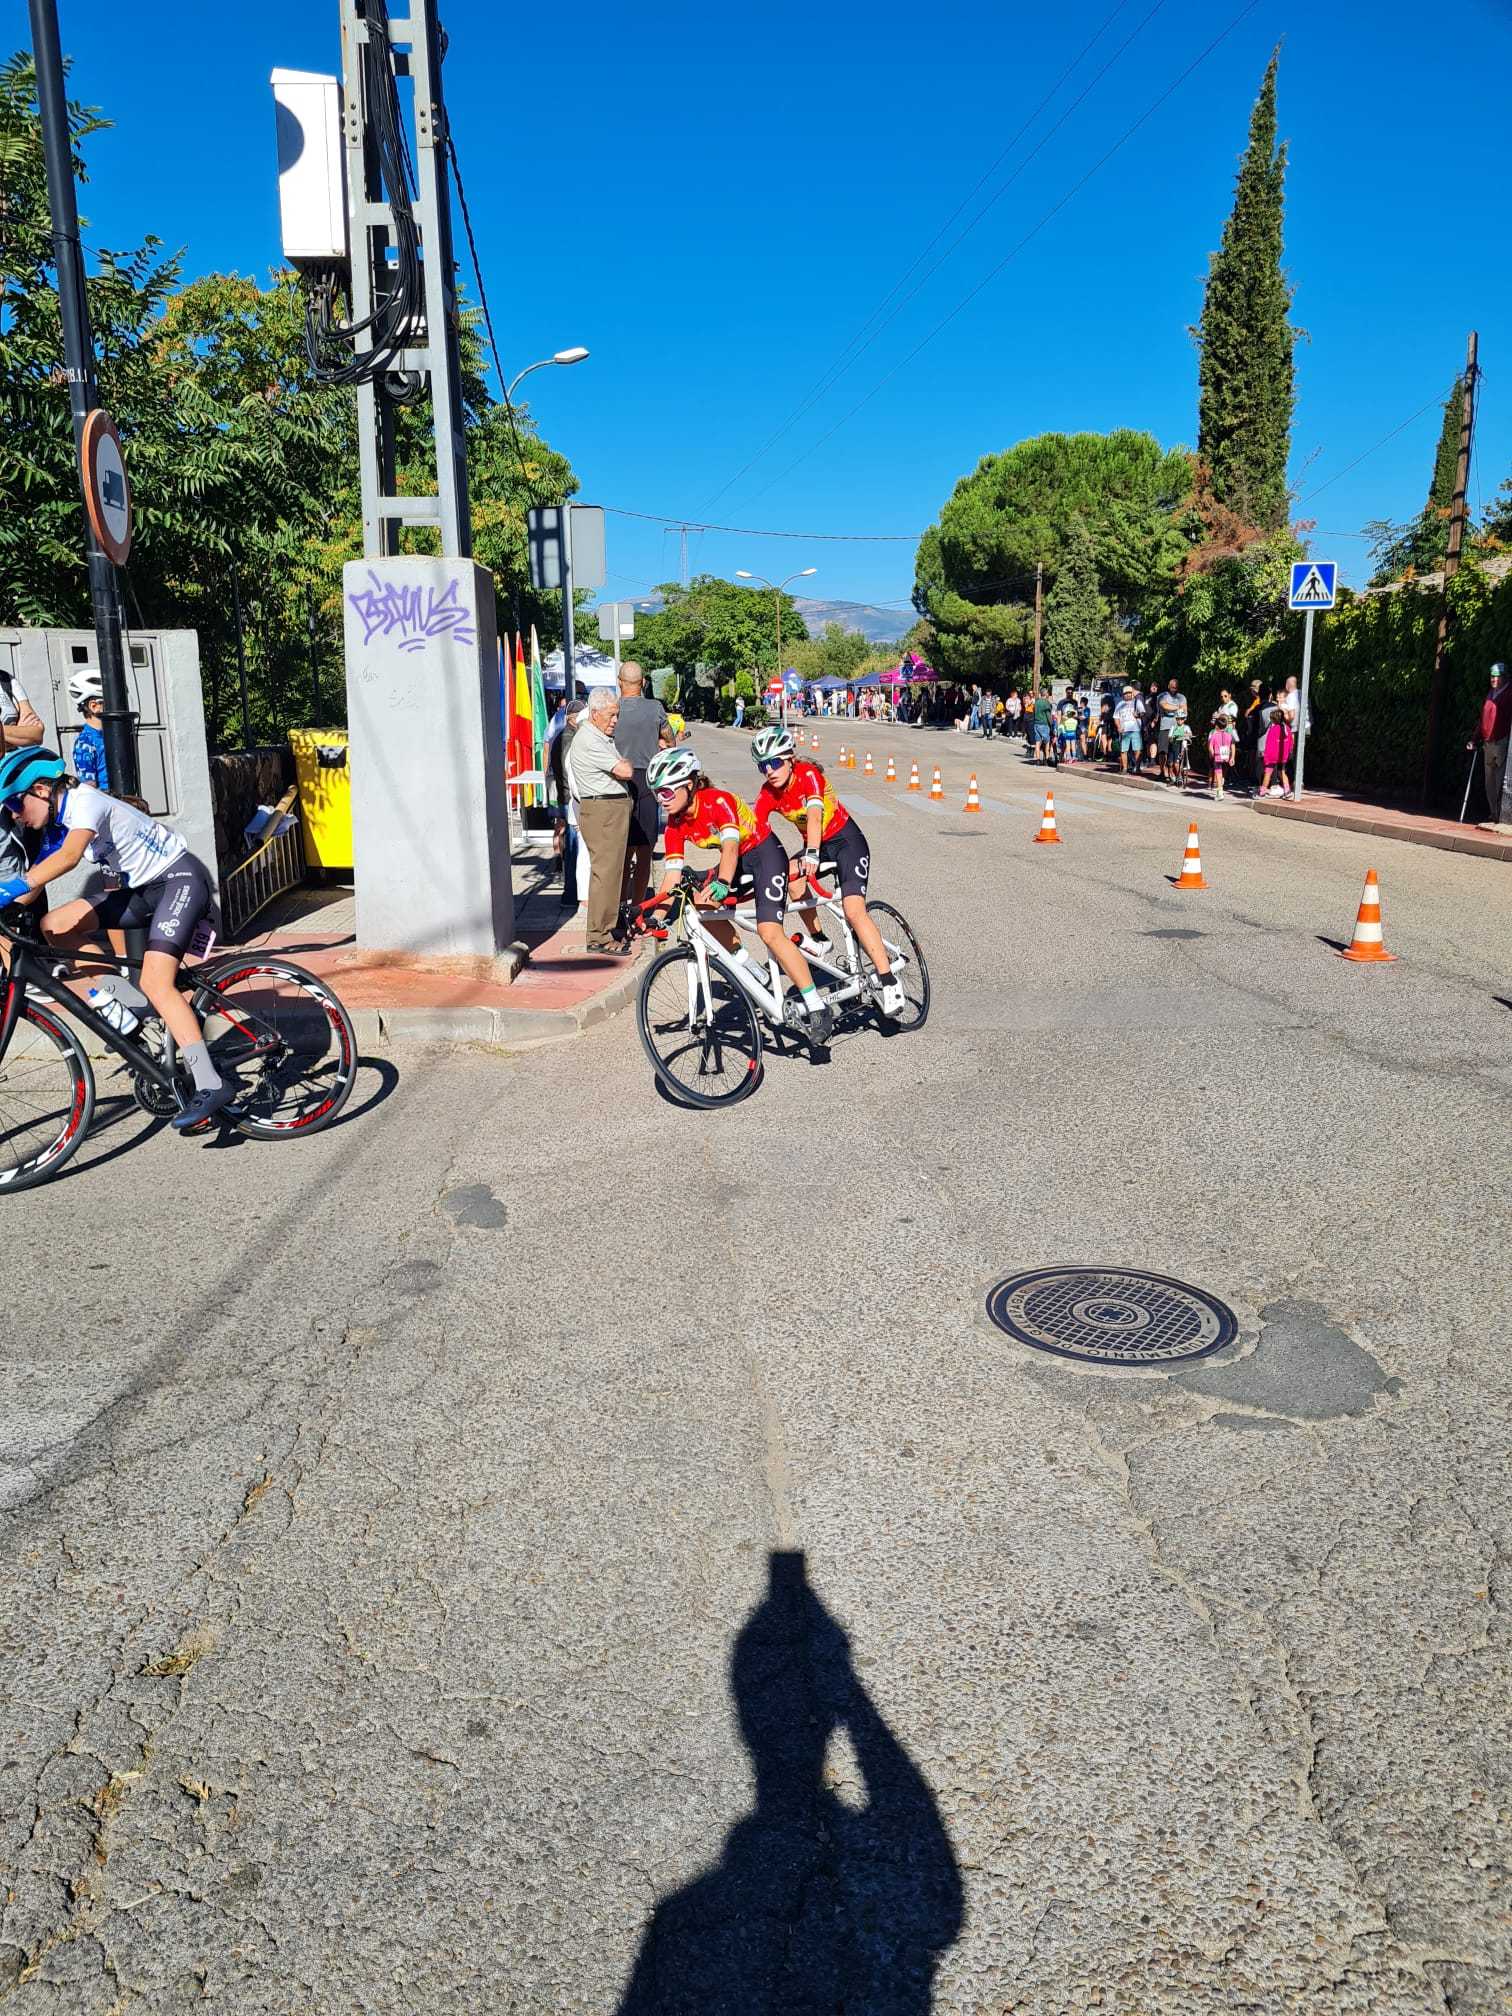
<point x="415" y="615"/>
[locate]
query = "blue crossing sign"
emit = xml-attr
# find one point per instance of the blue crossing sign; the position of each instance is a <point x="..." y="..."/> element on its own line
<point x="1314" y="584"/>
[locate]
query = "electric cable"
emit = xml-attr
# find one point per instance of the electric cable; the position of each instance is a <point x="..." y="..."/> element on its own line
<point x="477" y="266"/>
<point x="857" y="347"/>
<point x="992" y="274"/>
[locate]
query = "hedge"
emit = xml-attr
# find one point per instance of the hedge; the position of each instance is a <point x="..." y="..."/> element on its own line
<point x="1371" y="671"/>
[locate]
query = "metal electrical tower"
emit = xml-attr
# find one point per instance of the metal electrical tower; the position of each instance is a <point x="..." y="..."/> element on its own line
<point x="383" y="223"/>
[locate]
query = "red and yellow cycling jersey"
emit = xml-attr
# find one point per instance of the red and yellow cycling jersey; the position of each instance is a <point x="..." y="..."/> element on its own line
<point x="807" y="785"/>
<point x="712" y="818"/>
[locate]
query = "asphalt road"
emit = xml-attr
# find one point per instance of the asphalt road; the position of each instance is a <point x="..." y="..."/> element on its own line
<point x="536" y="1549"/>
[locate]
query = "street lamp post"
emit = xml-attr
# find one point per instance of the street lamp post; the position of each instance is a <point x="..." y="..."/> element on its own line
<point x="744" y="574"/>
<point x="573" y="356"/>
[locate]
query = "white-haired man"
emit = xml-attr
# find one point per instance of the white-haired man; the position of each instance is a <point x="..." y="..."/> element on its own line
<point x="599" y="779"/>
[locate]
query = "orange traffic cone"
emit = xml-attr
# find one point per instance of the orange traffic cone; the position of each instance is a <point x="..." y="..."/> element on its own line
<point x="814" y="744"/>
<point x="892" y="772"/>
<point x="937" y="789"/>
<point x="1048" y="834"/>
<point x="1191" y="863"/>
<point x="913" y="779"/>
<point x="866" y="768"/>
<point x="850" y="759"/>
<point x="1366" y="944"/>
<point x="840" y="759"/>
<point x="973" y="802"/>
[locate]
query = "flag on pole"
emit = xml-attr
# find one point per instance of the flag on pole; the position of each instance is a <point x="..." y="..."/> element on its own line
<point x="540" y="712"/>
<point x="506" y="698"/>
<point x="522" y="735"/>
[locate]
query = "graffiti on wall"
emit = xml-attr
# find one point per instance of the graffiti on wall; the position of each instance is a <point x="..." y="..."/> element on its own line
<point x="412" y="614"/>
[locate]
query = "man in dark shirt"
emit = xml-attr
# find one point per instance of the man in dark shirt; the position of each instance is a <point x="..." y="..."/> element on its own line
<point x="643" y="729"/>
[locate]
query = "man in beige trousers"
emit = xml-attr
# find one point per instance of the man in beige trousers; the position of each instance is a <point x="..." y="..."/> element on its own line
<point x="599" y="779"/>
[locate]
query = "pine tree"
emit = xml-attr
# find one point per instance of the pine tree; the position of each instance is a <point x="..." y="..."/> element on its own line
<point x="1245" y="372"/>
<point x="1076" y="616"/>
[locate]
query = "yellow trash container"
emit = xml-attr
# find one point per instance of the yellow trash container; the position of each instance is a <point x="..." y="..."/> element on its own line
<point x="325" y="795"/>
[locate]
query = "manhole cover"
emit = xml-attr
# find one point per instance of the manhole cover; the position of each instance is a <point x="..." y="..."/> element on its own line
<point x="1173" y="934"/>
<point x="1111" y="1316"/>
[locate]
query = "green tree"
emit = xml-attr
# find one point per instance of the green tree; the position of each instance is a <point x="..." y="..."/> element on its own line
<point x="1245" y="341"/>
<point x="837" y="653"/>
<point x="974" y="570"/>
<point x="719" y="623"/>
<point x="1076" y="616"/>
<point x="1423" y="544"/>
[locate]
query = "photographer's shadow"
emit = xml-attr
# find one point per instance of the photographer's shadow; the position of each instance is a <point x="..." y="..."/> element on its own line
<point x="815" y="1905"/>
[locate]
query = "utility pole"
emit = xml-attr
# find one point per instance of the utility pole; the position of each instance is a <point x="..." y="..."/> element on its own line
<point x="1440" y="680"/>
<point x="83" y="391"/>
<point x="1039" y="583"/>
<point x="569" y="644"/>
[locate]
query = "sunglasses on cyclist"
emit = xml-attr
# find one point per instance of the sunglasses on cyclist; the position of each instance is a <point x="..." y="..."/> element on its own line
<point x="668" y="792"/>
<point x="769" y="763"/>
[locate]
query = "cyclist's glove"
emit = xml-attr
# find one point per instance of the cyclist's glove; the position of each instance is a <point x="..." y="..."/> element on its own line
<point x="811" y="863"/>
<point x="719" y="890"/>
<point x="13" y="888"/>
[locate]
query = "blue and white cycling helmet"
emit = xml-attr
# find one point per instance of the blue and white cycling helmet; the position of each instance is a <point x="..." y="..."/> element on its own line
<point x="769" y="745"/>
<point x="671" y="767"/>
<point x="20" y="769"/>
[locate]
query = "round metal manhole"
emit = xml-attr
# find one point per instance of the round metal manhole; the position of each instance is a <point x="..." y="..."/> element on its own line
<point x="1111" y="1316"/>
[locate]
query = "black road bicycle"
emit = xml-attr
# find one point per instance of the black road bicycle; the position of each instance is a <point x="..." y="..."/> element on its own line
<point x="273" y="1030"/>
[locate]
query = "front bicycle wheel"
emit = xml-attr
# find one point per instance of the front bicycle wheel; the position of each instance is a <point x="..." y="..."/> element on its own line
<point x="907" y="957"/>
<point x="282" y="1037"/>
<point x="46" y="1098"/>
<point x="706" y="1052"/>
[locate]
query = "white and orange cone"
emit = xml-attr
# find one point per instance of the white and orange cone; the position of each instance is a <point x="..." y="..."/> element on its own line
<point x="937" y="789"/>
<point x="892" y="772"/>
<point x="1191" y="863"/>
<point x="814" y="744"/>
<point x="973" y="802"/>
<point x="1366" y="946"/>
<point x="867" y="769"/>
<point x="1048" y="834"/>
<point x="840" y="759"/>
<point x="913" y="778"/>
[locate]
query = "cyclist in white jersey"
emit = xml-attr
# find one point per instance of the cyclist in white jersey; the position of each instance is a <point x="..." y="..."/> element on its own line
<point x="162" y="886"/>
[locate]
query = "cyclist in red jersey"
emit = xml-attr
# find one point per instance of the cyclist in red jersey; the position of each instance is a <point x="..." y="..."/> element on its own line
<point x="699" y="814"/>
<point x="800" y="791"/>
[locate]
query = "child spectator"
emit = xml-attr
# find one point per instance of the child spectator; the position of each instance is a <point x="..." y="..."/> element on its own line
<point x="1069" y="725"/>
<point x="1276" y="752"/>
<point x="1221" y="744"/>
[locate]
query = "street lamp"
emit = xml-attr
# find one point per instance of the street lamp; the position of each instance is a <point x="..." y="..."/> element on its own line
<point x="573" y="356"/>
<point x="744" y="574"/>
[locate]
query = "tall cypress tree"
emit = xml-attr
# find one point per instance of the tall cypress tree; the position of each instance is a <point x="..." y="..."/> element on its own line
<point x="1245" y="387"/>
<point x="1423" y="543"/>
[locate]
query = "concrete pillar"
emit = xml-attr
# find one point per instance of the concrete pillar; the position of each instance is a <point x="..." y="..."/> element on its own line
<point x="430" y="827"/>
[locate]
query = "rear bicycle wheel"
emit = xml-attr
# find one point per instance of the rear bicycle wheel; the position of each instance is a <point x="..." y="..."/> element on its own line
<point x="47" y="1098"/>
<point x="705" y="1053"/>
<point x="905" y="952"/>
<point x="282" y="1038"/>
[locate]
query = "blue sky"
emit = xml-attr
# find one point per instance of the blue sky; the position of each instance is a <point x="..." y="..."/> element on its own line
<point x="715" y="202"/>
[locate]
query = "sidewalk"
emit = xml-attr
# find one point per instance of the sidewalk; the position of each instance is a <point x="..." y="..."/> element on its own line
<point x="546" y="988"/>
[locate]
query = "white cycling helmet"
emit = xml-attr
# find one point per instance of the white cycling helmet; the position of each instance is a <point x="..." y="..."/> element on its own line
<point x="669" y="767"/>
<point x="85" y="686"/>
<point x="769" y="744"/>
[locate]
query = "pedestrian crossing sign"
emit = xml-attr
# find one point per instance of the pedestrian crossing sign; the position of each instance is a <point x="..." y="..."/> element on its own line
<point x="1313" y="584"/>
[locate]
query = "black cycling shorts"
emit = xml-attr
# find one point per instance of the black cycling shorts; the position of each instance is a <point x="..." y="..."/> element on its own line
<point x="767" y="864"/>
<point x="851" y="856"/>
<point x="170" y="907"/>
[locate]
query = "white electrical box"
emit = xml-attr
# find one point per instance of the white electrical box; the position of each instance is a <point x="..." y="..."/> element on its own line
<point x="311" y="181"/>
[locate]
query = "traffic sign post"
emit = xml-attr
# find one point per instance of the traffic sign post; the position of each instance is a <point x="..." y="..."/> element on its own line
<point x="1314" y="586"/>
<point x="107" y="492"/>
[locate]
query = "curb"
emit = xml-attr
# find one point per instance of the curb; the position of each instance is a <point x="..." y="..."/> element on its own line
<point x="497" y="1028"/>
<point x="1487" y="846"/>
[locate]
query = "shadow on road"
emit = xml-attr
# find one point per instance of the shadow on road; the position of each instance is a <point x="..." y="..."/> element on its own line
<point x="815" y="1904"/>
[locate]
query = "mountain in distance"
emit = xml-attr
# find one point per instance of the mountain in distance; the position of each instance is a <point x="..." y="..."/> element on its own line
<point x="876" y="625"/>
